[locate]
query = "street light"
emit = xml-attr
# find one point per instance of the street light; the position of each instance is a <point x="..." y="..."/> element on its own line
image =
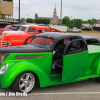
<point x="19" y="11"/>
<point x="61" y="14"/>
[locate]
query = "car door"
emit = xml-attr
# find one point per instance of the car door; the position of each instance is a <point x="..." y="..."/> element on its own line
<point x="74" y="60"/>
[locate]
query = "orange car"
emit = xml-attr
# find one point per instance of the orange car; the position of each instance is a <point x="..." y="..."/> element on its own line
<point x="17" y="38"/>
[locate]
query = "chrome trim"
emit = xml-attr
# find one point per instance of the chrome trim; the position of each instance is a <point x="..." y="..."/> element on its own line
<point x="5" y="44"/>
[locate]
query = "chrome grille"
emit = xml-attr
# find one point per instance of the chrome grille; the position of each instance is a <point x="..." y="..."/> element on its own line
<point x="4" y="44"/>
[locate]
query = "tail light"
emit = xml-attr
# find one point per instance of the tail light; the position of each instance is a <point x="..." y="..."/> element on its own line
<point x="4" y="44"/>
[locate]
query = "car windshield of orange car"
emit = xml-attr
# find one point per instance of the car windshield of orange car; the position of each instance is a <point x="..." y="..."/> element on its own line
<point x="31" y="30"/>
<point x="42" y="42"/>
<point x="22" y="28"/>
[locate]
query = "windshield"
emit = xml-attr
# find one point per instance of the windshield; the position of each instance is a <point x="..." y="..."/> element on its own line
<point x="6" y="27"/>
<point x="42" y="42"/>
<point x="14" y="28"/>
<point x="22" y="28"/>
<point x="31" y="30"/>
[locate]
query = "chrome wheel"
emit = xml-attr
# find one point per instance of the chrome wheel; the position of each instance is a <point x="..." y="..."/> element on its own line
<point x="27" y="82"/>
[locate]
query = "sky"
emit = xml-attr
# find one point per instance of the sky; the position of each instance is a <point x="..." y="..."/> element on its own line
<point x="79" y="9"/>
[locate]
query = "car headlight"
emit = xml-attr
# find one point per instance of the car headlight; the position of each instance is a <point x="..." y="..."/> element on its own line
<point x="3" y="68"/>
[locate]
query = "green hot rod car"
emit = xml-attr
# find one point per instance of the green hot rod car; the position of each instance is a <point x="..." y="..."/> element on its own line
<point x="51" y="59"/>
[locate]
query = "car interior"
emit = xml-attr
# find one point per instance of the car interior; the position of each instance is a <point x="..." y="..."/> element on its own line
<point x="58" y="52"/>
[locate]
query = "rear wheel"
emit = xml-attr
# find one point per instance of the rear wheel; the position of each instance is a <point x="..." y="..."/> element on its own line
<point x="25" y="82"/>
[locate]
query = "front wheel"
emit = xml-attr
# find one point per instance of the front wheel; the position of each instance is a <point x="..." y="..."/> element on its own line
<point x="25" y="82"/>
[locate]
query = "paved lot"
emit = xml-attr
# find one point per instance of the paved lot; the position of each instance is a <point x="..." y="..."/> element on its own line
<point x="89" y="89"/>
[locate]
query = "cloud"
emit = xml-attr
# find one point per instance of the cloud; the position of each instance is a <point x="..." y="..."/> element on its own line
<point x="25" y="1"/>
<point x="84" y="9"/>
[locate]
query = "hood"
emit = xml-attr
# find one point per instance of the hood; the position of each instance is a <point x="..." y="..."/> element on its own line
<point x="14" y="36"/>
<point x="23" y="49"/>
<point x="10" y="32"/>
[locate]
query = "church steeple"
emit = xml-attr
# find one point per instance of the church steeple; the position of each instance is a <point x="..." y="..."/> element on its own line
<point x="55" y="19"/>
<point x="55" y="13"/>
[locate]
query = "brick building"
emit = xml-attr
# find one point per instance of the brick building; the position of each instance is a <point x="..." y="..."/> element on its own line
<point x="6" y="7"/>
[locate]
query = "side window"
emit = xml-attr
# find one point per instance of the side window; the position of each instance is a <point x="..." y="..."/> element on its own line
<point x="42" y="31"/>
<point x="31" y="30"/>
<point x="75" y="46"/>
<point x="92" y="42"/>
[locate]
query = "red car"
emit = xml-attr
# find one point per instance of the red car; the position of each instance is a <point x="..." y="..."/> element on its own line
<point x="6" y="27"/>
<point x="16" y="39"/>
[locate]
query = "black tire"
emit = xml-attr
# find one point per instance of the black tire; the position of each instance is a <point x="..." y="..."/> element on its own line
<point x="97" y="79"/>
<point x="16" y="84"/>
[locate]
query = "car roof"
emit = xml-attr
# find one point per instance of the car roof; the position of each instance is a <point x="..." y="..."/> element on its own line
<point x="28" y="25"/>
<point x="16" y="25"/>
<point x="58" y="35"/>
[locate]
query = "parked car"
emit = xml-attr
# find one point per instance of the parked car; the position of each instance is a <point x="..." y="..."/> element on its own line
<point x="4" y="24"/>
<point x="86" y="29"/>
<point x="17" y="38"/>
<point x="14" y="27"/>
<point x="5" y="28"/>
<point x="74" y="29"/>
<point x="51" y="59"/>
<point x="21" y="29"/>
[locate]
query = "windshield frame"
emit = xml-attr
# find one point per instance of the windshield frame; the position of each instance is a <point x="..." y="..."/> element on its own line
<point x="42" y="46"/>
<point x="30" y="28"/>
<point x="22" y="27"/>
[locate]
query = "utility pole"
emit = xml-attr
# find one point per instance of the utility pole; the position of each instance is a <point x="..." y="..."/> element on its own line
<point x="19" y="11"/>
<point x="61" y="14"/>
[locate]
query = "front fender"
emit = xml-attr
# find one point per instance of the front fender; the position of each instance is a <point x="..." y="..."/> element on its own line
<point x="13" y="71"/>
<point x="96" y="66"/>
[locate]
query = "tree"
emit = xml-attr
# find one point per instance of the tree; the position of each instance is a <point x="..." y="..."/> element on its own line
<point x="78" y="23"/>
<point x="65" y="20"/>
<point x="46" y="21"/>
<point x="0" y="14"/>
<point x="42" y="21"/>
<point x="29" y="20"/>
<point x="17" y="19"/>
<point x="94" y="20"/>
<point x="38" y="21"/>
<point x="90" y="21"/>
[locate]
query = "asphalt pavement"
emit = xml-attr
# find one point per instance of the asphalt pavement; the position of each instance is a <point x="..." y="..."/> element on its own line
<point x="84" y="90"/>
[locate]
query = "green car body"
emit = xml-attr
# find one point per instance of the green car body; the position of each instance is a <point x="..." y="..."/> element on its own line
<point x="77" y="66"/>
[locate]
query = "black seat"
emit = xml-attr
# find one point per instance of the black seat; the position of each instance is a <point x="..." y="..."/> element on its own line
<point x="74" y="46"/>
<point x="60" y="48"/>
